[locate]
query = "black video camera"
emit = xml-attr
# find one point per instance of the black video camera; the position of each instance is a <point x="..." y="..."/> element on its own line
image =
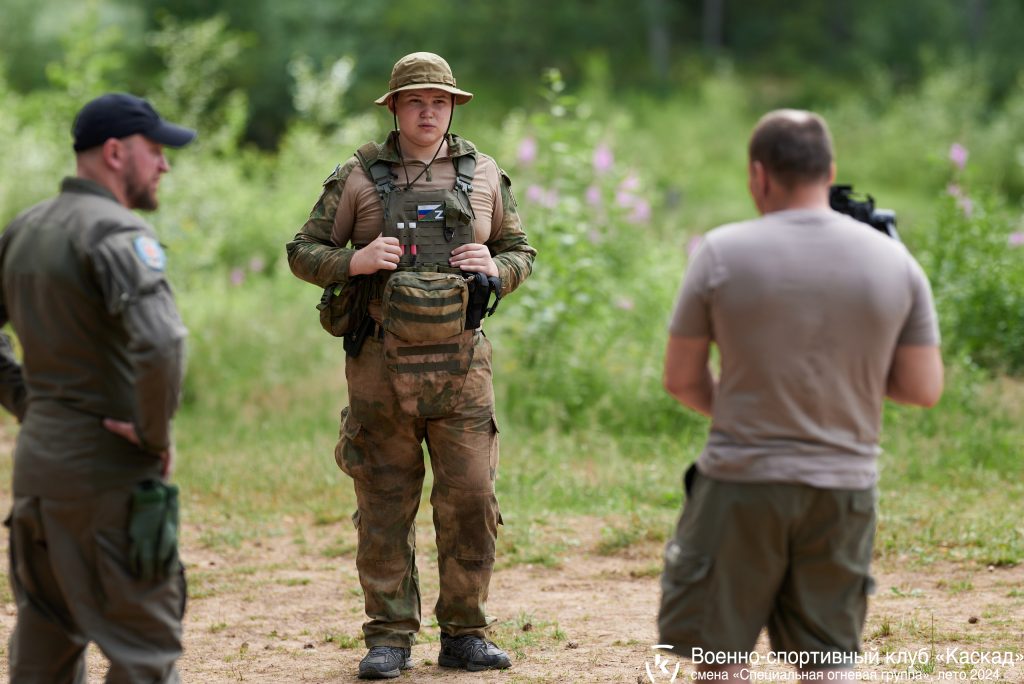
<point x="841" y="199"/>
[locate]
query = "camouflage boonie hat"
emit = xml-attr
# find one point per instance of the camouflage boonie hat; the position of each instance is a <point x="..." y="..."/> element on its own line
<point x="423" y="70"/>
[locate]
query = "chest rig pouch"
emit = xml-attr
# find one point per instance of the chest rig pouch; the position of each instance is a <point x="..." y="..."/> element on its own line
<point x="428" y="350"/>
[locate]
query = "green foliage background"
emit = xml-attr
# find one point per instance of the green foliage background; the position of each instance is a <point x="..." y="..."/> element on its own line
<point x="628" y="168"/>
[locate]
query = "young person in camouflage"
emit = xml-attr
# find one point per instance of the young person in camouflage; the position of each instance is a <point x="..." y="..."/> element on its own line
<point x="82" y="283"/>
<point x="417" y="370"/>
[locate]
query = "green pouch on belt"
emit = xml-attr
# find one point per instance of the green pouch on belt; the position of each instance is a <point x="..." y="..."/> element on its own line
<point x="153" y="530"/>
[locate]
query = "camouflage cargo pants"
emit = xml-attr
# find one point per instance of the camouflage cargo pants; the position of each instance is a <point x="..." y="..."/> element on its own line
<point x="69" y="574"/>
<point x="380" y="447"/>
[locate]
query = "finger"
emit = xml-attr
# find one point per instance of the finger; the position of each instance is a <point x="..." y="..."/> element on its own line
<point x="121" y="429"/>
<point x="388" y="240"/>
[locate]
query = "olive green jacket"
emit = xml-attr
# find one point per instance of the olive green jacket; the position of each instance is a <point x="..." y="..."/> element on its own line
<point x="82" y="283"/>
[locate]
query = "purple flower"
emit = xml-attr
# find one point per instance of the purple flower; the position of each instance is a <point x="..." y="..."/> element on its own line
<point x="237" y="276"/>
<point x="527" y="151"/>
<point x="603" y="159"/>
<point x="624" y="199"/>
<point x="594" y="196"/>
<point x="953" y="190"/>
<point x="1016" y="239"/>
<point x="630" y="183"/>
<point x="257" y="264"/>
<point x="550" y="199"/>
<point x="535" y="194"/>
<point x="641" y="211"/>
<point x="958" y="155"/>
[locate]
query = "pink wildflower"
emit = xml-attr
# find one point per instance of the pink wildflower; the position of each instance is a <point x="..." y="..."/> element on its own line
<point x="257" y="264"/>
<point x="237" y="276"/>
<point x="603" y="159"/>
<point x="625" y="303"/>
<point x="1016" y="239"/>
<point x="958" y="155"/>
<point x="594" y="196"/>
<point x="641" y="211"/>
<point x="535" y="194"/>
<point x="527" y="151"/>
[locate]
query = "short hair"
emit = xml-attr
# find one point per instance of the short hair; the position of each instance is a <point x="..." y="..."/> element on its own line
<point x="794" y="146"/>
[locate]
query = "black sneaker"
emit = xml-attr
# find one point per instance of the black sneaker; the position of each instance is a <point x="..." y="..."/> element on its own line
<point x="471" y="653"/>
<point x="385" y="662"/>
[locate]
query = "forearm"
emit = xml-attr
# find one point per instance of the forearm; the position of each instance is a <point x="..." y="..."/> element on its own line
<point x="318" y="263"/>
<point x="699" y="395"/>
<point x="157" y="353"/>
<point x="687" y="374"/>
<point x="514" y="266"/>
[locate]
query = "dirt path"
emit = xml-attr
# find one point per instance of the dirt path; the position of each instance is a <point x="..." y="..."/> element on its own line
<point x="288" y="609"/>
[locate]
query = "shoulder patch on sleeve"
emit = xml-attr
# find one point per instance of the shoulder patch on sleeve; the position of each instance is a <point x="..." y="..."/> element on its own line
<point x="150" y="253"/>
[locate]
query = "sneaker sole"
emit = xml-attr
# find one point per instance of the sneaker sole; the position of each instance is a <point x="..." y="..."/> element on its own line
<point x="389" y="674"/>
<point x="449" y="661"/>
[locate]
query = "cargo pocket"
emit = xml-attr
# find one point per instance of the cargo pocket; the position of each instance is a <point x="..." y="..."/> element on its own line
<point x="684" y="596"/>
<point x="348" y="453"/>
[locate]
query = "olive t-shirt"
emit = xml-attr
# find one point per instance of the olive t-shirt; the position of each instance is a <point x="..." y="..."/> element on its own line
<point x="807" y="307"/>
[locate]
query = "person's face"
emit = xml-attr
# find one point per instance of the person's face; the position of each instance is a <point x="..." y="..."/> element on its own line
<point x="144" y="163"/>
<point x="423" y="115"/>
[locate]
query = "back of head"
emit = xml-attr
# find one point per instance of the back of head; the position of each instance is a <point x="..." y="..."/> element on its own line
<point x="793" y="146"/>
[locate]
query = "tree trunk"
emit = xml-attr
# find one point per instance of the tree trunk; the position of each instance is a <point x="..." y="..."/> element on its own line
<point x="714" y="13"/>
<point x="658" y="40"/>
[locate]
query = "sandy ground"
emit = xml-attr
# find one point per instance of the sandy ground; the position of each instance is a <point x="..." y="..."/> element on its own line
<point x="287" y="608"/>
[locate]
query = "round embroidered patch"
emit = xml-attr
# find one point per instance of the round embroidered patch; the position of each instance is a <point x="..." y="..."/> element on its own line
<point x="151" y="253"/>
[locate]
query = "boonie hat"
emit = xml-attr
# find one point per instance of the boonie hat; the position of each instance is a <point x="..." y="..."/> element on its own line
<point x="423" y="70"/>
<point x="118" y="115"/>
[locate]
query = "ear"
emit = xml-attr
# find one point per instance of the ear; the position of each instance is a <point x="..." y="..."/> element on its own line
<point x="391" y="104"/>
<point x="113" y="153"/>
<point x="759" y="180"/>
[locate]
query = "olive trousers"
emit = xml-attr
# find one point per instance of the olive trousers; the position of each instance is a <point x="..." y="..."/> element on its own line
<point x="381" y="449"/>
<point x="71" y="584"/>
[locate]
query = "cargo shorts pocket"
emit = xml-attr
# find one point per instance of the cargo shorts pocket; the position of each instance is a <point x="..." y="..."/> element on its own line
<point x="348" y="453"/>
<point x="684" y="596"/>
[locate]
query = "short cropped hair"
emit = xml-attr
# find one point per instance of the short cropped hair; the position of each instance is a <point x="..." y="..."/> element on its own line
<point x="794" y="146"/>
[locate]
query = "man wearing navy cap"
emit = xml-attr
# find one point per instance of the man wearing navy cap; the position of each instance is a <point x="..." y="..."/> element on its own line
<point x="93" y="527"/>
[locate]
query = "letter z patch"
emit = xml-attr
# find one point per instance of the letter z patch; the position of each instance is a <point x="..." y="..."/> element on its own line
<point x="430" y="212"/>
<point x="150" y="253"/>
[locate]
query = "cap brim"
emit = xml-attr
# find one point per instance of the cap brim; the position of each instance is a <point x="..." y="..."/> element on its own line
<point x="461" y="96"/>
<point x="170" y="134"/>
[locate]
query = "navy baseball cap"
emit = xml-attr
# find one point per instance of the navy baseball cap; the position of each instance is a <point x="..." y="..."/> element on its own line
<point x="118" y="115"/>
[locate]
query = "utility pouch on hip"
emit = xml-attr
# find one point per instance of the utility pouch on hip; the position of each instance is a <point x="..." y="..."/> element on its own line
<point x="425" y="306"/>
<point x="153" y="530"/>
<point x="337" y="309"/>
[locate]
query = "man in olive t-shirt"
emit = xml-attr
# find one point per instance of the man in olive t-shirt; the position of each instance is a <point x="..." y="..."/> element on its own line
<point x="817" y="318"/>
